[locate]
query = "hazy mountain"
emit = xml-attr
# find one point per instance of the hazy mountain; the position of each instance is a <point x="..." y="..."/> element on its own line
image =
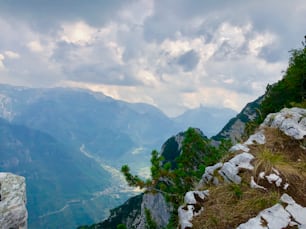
<point x="209" y="119"/>
<point x="57" y="127"/>
<point x="108" y="128"/>
<point x="62" y="183"/>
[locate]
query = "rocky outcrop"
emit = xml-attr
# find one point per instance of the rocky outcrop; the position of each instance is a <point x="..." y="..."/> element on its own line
<point x="286" y="213"/>
<point x="279" y="216"/>
<point x="158" y="208"/>
<point x="13" y="212"/>
<point x="290" y="121"/>
<point x="133" y="213"/>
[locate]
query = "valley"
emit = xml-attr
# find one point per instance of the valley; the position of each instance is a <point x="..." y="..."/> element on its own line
<point x="70" y="145"/>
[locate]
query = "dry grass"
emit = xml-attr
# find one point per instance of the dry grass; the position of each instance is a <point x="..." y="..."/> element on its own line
<point x="266" y="160"/>
<point x="288" y="157"/>
<point x="230" y="205"/>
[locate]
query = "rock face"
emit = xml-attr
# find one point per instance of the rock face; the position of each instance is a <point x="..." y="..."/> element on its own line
<point x="13" y="212"/>
<point x="133" y="213"/>
<point x="234" y="129"/>
<point x="159" y="210"/>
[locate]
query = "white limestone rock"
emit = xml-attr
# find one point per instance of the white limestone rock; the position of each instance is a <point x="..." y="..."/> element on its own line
<point x="275" y="217"/>
<point x="243" y="161"/>
<point x="253" y="184"/>
<point x="262" y="175"/>
<point x="208" y="175"/>
<point x="257" y="138"/>
<point x="297" y="212"/>
<point x="185" y="216"/>
<point x="238" y="147"/>
<point x="291" y="121"/>
<point x="13" y="212"/>
<point x="230" y="169"/>
<point x="278" y="217"/>
<point x="273" y="178"/>
<point x="191" y="207"/>
<point x="192" y="197"/>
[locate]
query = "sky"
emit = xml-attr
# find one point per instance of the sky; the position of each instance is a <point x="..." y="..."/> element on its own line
<point x="173" y="54"/>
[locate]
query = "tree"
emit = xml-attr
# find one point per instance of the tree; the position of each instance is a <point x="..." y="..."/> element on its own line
<point x="291" y="90"/>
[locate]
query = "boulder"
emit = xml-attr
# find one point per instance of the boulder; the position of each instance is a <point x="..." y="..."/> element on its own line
<point x="13" y="212"/>
<point x="290" y="121"/>
<point x="230" y="169"/>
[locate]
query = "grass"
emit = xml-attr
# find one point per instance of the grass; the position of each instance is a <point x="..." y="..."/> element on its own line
<point x="229" y="205"/>
<point x="266" y="160"/>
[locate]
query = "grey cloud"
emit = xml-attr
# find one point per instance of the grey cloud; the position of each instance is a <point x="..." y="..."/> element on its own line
<point x="24" y="21"/>
<point x="188" y="60"/>
<point x="44" y="14"/>
<point x="97" y="74"/>
<point x="98" y="67"/>
<point x="272" y="54"/>
<point x="226" y="52"/>
<point x="283" y="18"/>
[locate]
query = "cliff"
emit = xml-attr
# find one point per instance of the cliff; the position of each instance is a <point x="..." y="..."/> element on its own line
<point x="235" y="128"/>
<point x="13" y="212"/>
<point x="137" y="213"/>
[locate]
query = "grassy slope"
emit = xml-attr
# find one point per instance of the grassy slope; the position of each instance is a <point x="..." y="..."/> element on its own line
<point x="230" y="205"/>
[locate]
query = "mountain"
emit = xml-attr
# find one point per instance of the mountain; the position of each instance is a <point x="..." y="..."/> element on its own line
<point x="235" y="127"/>
<point x="209" y="119"/>
<point x="263" y="178"/>
<point x="183" y="152"/>
<point x="81" y="117"/>
<point x="63" y="185"/>
<point x="80" y="129"/>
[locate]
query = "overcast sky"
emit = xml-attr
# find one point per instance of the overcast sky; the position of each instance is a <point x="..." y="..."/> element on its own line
<point x="174" y="54"/>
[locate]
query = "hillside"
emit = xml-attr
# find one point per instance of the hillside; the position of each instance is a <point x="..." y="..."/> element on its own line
<point x="262" y="178"/>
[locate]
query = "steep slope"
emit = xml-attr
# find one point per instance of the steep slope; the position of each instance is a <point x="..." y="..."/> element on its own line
<point x="140" y="211"/>
<point x="62" y="184"/>
<point x="209" y="119"/>
<point x="172" y="174"/>
<point x="257" y="184"/>
<point x="235" y="128"/>
<point x="263" y="179"/>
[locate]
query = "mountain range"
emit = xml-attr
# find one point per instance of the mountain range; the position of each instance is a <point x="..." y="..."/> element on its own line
<point x="70" y="143"/>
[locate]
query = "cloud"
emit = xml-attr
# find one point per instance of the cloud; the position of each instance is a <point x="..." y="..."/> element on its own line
<point x="11" y="54"/>
<point x="188" y="60"/>
<point x="174" y="54"/>
<point x="78" y="33"/>
<point x="2" y="67"/>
